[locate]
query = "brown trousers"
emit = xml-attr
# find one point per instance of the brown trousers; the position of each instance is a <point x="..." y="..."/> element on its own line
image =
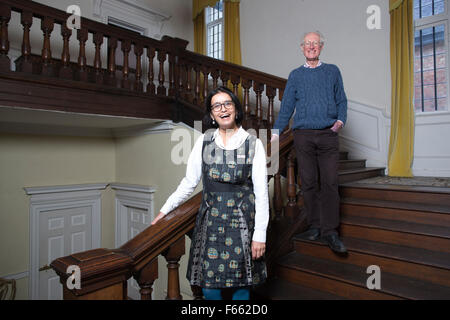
<point x="318" y="158"/>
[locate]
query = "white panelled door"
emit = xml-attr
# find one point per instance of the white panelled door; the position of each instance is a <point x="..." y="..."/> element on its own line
<point x="63" y="220"/>
<point x="62" y="232"/>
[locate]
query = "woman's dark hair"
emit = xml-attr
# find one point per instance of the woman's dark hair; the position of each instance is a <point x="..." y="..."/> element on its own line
<point x="207" y="121"/>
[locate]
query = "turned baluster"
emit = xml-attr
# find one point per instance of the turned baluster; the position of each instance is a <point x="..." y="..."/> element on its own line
<point x="110" y="78"/>
<point x="5" y="16"/>
<point x="98" y="41"/>
<point x="161" y="58"/>
<point x="246" y="84"/>
<point x="225" y="76"/>
<point x="82" y="36"/>
<point x="173" y="255"/>
<point x="188" y="93"/>
<point x="277" y="197"/>
<point x="215" y="76"/>
<point x="291" y="209"/>
<point x="65" y="71"/>
<point x="138" y="51"/>
<point x="205" y="73"/>
<point x="151" y="74"/>
<point x="235" y="80"/>
<point x="47" y="25"/>
<point x="181" y="77"/>
<point x="258" y="88"/>
<point x="197" y="85"/>
<point x="172" y="88"/>
<point x="126" y="47"/>
<point x="24" y="63"/>
<point x="146" y="277"/>
<point x="270" y="92"/>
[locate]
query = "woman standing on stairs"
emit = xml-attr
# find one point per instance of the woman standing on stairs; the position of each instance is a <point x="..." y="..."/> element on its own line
<point x="229" y="237"/>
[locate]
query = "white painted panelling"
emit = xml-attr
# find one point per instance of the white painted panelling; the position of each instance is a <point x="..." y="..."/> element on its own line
<point x="134" y="213"/>
<point x="56" y="223"/>
<point x="78" y="220"/>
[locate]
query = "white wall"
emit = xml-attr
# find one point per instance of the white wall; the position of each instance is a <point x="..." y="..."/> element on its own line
<point x="271" y="32"/>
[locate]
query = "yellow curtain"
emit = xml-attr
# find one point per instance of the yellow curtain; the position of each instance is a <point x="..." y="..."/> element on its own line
<point x="200" y="34"/>
<point x="401" y="145"/>
<point x="232" y="32"/>
<point x="198" y="15"/>
<point x="232" y="49"/>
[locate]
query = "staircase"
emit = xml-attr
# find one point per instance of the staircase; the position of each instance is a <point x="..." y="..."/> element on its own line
<point x="403" y="230"/>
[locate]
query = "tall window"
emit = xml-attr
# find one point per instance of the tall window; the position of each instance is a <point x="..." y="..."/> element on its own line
<point x="430" y="55"/>
<point x="214" y="30"/>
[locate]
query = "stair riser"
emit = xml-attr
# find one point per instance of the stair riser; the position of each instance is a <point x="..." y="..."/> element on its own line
<point x="343" y="289"/>
<point x="343" y="155"/>
<point x="348" y="177"/>
<point x="409" y="269"/>
<point x="437" y="219"/>
<point x="352" y="165"/>
<point x="391" y="195"/>
<point x="395" y="237"/>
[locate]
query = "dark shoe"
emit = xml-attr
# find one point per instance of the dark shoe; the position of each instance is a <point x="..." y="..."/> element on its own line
<point x="312" y="234"/>
<point x="335" y="243"/>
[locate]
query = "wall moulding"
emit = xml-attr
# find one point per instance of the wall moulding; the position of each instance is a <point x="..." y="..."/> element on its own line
<point x="123" y="11"/>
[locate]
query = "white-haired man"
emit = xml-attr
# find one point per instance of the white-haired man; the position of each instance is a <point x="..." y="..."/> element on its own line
<point x="315" y="92"/>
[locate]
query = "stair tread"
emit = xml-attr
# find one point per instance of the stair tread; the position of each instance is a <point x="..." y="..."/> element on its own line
<point x="397" y="225"/>
<point x="435" y="208"/>
<point x="359" y="170"/>
<point x="396" y="187"/>
<point x="392" y="251"/>
<point x="351" y="160"/>
<point x="280" y="289"/>
<point x="396" y="285"/>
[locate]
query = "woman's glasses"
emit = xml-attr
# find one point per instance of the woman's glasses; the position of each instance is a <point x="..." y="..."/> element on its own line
<point x="216" y="107"/>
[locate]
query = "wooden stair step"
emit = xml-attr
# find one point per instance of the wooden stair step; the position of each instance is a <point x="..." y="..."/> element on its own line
<point x="399" y="226"/>
<point x="350" y="280"/>
<point x="351" y="164"/>
<point x="411" y="262"/>
<point x="280" y="289"/>
<point x="385" y="235"/>
<point x="349" y="175"/>
<point x="393" y="210"/>
<point x="412" y="194"/>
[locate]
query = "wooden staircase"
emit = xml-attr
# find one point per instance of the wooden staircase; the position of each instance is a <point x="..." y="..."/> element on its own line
<point x="403" y="230"/>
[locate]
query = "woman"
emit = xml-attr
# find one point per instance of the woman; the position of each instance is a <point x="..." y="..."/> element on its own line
<point x="230" y="232"/>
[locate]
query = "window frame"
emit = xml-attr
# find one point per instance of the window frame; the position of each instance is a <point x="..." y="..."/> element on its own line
<point x="429" y="22"/>
<point x="210" y="25"/>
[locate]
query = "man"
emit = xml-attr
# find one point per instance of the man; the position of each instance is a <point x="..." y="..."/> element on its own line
<point x="316" y="92"/>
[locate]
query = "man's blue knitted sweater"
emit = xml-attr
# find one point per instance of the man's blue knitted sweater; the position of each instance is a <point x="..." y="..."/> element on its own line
<point x="317" y="96"/>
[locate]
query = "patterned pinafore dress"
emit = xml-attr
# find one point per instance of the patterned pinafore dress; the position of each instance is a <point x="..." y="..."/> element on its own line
<point x="220" y="254"/>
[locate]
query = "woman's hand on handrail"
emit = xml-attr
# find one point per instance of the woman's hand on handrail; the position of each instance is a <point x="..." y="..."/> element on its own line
<point x="158" y="217"/>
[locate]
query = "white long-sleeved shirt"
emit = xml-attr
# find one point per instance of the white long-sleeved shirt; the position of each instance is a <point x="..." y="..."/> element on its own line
<point x="259" y="179"/>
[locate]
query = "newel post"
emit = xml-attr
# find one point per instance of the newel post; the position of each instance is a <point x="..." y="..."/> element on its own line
<point x="173" y="255"/>
<point x="99" y="274"/>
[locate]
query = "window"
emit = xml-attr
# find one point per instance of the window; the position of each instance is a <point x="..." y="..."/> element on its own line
<point x="430" y="56"/>
<point x="214" y="31"/>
